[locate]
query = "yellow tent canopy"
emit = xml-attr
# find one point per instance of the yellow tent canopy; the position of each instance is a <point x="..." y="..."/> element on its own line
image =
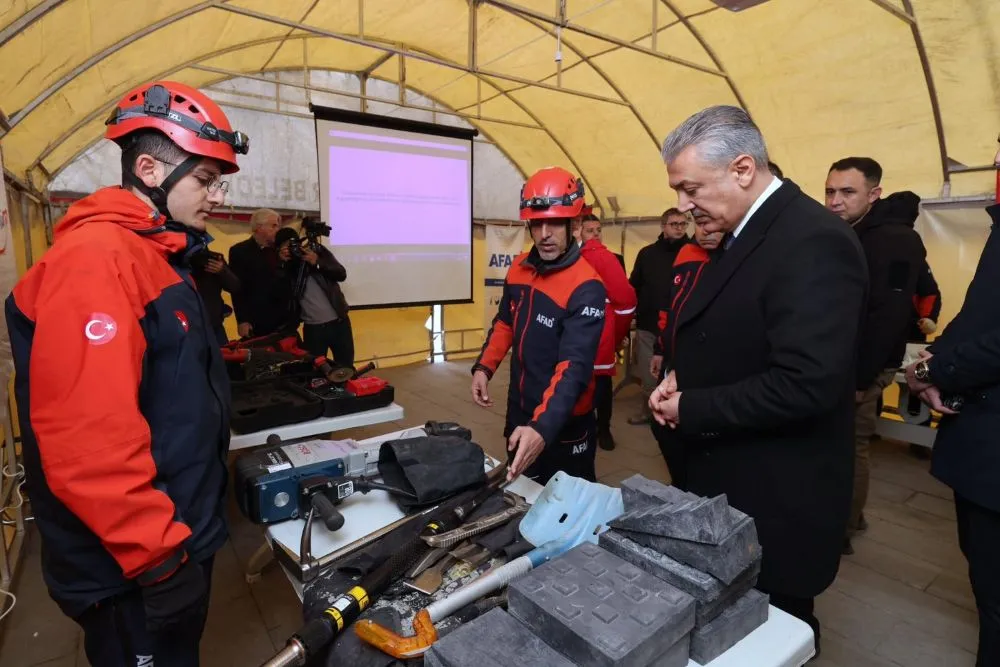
<point x="591" y="84"/>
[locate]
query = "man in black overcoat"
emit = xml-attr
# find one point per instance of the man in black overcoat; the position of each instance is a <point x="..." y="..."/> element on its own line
<point x="762" y="392"/>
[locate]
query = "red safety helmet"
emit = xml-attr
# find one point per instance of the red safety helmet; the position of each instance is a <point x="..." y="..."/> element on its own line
<point x="187" y="116"/>
<point x="552" y="192"/>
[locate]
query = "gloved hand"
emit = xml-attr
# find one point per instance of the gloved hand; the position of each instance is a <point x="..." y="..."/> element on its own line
<point x="927" y="326"/>
<point x="169" y="600"/>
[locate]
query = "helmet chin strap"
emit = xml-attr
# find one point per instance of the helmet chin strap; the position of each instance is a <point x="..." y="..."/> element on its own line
<point x="158" y="194"/>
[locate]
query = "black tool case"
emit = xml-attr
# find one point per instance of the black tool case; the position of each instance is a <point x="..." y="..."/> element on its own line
<point x="263" y="404"/>
<point x="338" y="401"/>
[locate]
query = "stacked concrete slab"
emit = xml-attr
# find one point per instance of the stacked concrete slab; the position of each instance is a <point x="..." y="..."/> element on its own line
<point x="701" y="546"/>
<point x="596" y="609"/>
<point x="671" y="581"/>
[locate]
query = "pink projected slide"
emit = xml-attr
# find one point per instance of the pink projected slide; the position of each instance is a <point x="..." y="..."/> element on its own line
<point x="383" y="197"/>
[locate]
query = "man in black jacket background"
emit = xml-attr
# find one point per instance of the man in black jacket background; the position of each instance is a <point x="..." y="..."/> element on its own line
<point x="212" y="275"/>
<point x="895" y="255"/>
<point x="314" y="276"/>
<point x="262" y="304"/>
<point x="652" y="276"/>
<point x="964" y="361"/>
<point x="761" y="396"/>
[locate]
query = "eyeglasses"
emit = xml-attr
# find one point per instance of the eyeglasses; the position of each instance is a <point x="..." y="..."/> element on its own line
<point x="213" y="184"/>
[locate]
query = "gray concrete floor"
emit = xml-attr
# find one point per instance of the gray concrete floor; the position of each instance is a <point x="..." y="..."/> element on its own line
<point x="903" y="599"/>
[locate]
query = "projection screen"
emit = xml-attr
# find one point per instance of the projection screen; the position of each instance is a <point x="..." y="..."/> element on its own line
<point x="398" y="196"/>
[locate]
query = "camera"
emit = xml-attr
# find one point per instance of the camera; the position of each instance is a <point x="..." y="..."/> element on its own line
<point x="200" y="259"/>
<point x="315" y="228"/>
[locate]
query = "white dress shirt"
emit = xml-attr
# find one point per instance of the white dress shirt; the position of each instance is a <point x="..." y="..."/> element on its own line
<point x="768" y="191"/>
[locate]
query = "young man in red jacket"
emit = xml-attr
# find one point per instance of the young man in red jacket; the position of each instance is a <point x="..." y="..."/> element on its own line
<point x="619" y="311"/>
<point x="122" y="393"/>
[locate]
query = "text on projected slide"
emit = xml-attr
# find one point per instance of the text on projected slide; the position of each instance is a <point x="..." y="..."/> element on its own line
<point x="394" y="197"/>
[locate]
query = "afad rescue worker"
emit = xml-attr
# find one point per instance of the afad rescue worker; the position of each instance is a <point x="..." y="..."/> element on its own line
<point x="688" y="268"/>
<point x="551" y="318"/>
<point x="121" y="390"/>
<point x="619" y="311"/>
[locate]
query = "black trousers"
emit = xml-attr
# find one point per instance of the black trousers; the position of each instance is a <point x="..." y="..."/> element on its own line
<point x="335" y="336"/>
<point x="800" y="608"/>
<point x="115" y="635"/>
<point x="220" y="334"/>
<point x="673" y="453"/>
<point x="604" y="394"/>
<point x="574" y="452"/>
<point x="979" y="538"/>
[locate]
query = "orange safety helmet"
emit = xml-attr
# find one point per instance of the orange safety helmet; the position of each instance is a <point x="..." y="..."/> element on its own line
<point x="185" y="115"/>
<point x="552" y="192"/>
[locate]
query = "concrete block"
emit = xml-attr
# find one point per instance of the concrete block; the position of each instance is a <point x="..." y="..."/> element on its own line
<point x="737" y="621"/>
<point x="639" y="492"/>
<point x="596" y="609"/>
<point x="677" y="655"/>
<point x="431" y="658"/>
<point x="710" y="594"/>
<point x="725" y="561"/>
<point x="706" y="520"/>
<point x="495" y="639"/>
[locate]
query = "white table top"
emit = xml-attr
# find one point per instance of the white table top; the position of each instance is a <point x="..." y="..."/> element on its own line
<point x="783" y="641"/>
<point x="389" y="413"/>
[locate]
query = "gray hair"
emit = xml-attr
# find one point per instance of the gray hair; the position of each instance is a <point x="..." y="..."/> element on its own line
<point x="721" y="133"/>
<point x="262" y="215"/>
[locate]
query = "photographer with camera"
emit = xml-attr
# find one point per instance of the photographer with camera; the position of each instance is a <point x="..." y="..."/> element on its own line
<point x="212" y="275"/>
<point x="315" y="276"/>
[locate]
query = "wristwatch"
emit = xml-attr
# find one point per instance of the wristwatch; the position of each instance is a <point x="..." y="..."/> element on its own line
<point x="922" y="371"/>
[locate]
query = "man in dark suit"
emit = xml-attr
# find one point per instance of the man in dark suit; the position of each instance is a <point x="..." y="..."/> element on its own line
<point x="964" y="363"/>
<point x="761" y="394"/>
<point x="263" y="305"/>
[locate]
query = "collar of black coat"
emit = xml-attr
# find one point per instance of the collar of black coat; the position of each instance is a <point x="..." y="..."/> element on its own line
<point x="882" y="213"/>
<point x="725" y="264"/>
<point x="672" y="245"/>
<point x="994" y="212"/>
<point x="542" y="267"/>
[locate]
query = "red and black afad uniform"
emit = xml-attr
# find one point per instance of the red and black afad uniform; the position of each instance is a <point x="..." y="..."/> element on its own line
<point x="551" y="317"/>
<point x="689" y="265"/>
<point x="123" y="401"/>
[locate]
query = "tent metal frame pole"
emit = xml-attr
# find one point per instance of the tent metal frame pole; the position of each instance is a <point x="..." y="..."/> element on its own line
<point x="450" y="65"/>
<point x="607" y="79"/>
<point x="925" y="64"/>
<point x="55" y="143"/>
<point x="906" y="15"/>
<point x="26" y="19"/>
<point x="101" y="55"/>
<point x="381" y="60"/>
<point x="967" y="170"/>
<point x="270" y="58"/>
<point x="4" y="122"/>
<point x="686" y="22"/>
<point x="568" y="25"/>
<point x="474" y="52"/>
<point x="410" y="53"/>
<point x="363" y="96"/>
<point x="654" y="33"/>
<point x="588" y="60"/>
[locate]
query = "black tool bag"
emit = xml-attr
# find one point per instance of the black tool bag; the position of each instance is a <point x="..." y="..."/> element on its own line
<point x="432" y="467"/>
